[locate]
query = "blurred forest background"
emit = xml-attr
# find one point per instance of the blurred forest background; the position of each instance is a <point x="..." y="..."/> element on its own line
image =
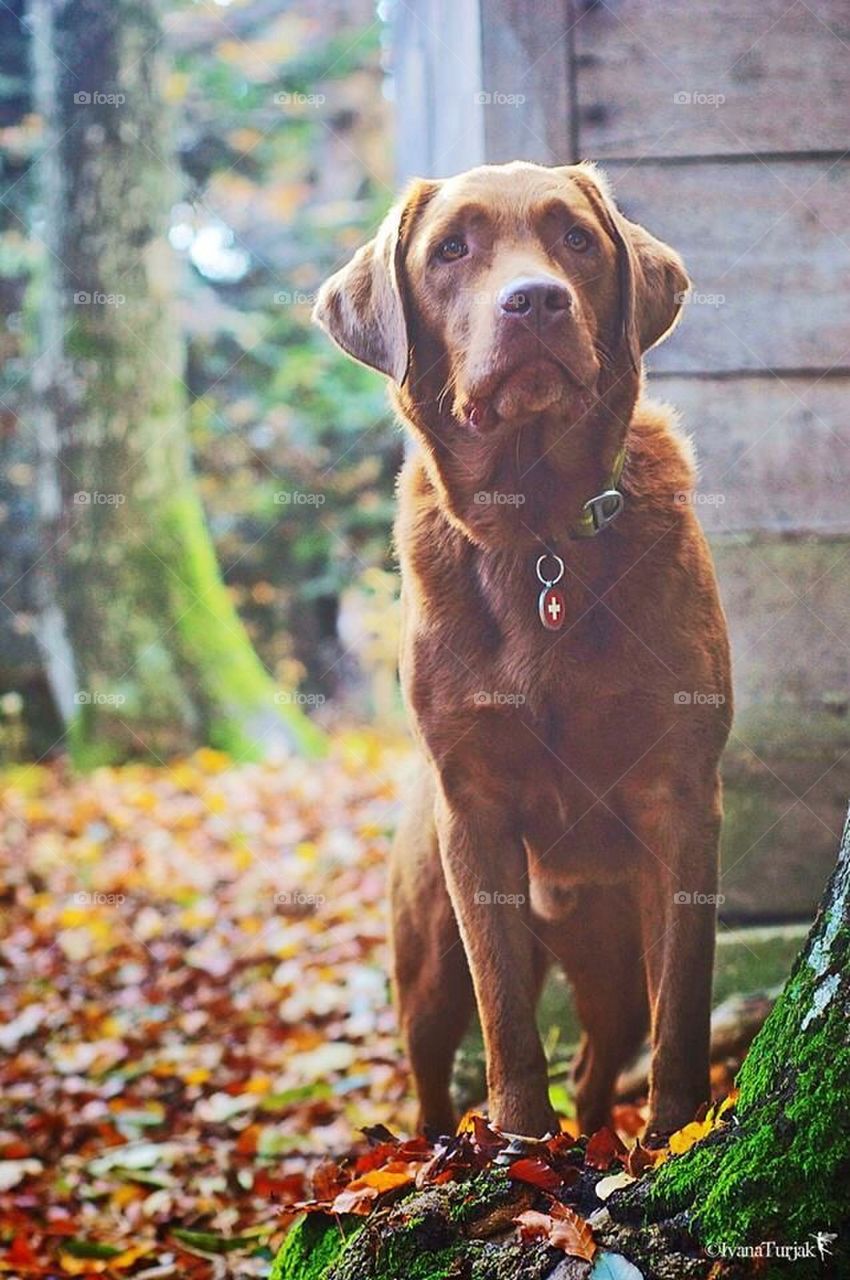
<point x="277" y="161"/>
<point x="193" y="1008"/>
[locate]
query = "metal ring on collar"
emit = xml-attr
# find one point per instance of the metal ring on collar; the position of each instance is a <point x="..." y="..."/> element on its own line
<point x="550" y="582"/>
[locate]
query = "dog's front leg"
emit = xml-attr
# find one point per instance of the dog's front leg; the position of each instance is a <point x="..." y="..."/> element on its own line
<point x="678" y="902"/>
<point x="485" y="868"/>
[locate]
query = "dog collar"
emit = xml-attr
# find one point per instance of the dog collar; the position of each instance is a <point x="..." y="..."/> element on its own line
<point x="602" y="509"/>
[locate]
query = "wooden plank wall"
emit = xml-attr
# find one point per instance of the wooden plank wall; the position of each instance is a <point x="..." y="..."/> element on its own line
<point x="725" y="128"/>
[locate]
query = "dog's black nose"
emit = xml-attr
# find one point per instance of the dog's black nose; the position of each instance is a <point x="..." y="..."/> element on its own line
<point x="537" y="298"/>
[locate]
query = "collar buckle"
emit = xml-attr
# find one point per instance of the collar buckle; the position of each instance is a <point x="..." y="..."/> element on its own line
<point x="602" y="510"/>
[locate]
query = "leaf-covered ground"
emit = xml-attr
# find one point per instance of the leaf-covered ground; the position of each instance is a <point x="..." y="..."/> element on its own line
<point x="195" y="1025"/>
<point x="193" y="1010"/>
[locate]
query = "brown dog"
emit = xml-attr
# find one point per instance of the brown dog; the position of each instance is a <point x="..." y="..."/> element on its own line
<point x="570" y="693"/>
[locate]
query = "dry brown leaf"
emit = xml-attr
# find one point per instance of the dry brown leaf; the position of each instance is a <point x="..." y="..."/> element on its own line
<point x="562" y="1227"/>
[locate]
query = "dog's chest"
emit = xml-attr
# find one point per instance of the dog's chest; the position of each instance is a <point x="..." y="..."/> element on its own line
<point x="558" y="650"/>
<point x="537" y="614"/>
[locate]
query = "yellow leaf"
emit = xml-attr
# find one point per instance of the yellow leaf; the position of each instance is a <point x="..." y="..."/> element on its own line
<point x="86" y="1266"/>
<point x="211" y="761"/>
<point x="183" y="775"/>
<point x="467" y="1120"/>
<point x="685" y="1138"/>
<point x="82" y="1266"/>
<point x="72" y="917"/>
<point x="243" y="858"/>
<point x="386" y="1179"/>
<point x="144" y="799"/>
<point x="198" y="1075"/>
<point x="131" y="1255"/>
<point x="200" y="917"/>
<point x="187" y="822"/>
<point x="126" y="1194"/>
<point x="28" y="779"/>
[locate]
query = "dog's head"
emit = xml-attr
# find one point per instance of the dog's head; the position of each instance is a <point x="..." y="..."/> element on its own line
<point x="525" y="283"/>
<point x="510" y="306"/>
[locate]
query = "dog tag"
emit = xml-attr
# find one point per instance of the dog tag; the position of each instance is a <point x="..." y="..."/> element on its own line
<point x="552" y="608"/>
<point x="551" y="603"/>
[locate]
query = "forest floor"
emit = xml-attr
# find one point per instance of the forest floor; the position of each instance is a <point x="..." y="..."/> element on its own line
<point x="194" y="1014"/>
<point x="194" y="1006"/>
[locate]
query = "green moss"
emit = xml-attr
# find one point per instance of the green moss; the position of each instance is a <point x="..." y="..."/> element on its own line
<point x="783" y="1171"/>
<point x="402" y="1257"/>
<point x="418" y="1237"/>
<point x="422" y="1236"/>
<point x="214" y="643"/>
<point x="312" y="1246"/>
<point x="488" y="1190"/>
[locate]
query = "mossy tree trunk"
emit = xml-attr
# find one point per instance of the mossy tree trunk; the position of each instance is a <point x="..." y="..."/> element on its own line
<point x="782" y="1172"/>
<point x="144" y="649"/>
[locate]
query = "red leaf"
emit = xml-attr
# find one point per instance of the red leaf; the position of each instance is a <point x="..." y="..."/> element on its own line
<point x="246" y="1143"/>
<point x="415" y="1149"/>
<point x="287" y="1189"/>
<point x="536" y="1172"/>
<point x="328" y="1180"/>
<point x="603" y="1149"/>
<point x="487" y="1139"/>
<point x="375" y="1157"/>
<point x="15" y="1151"/>
<point x="21" y="1255"/>
<point x="639" y="1159"/>
<point x="563" y="1144"/>
<point x="628" y="1119"/>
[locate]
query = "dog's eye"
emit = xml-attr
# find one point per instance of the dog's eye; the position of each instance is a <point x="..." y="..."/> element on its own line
<point x="452" y="249"/>
<point x="577" y="240"/>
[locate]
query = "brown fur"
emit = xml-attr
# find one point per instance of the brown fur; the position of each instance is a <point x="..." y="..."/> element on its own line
<point x="560" y="775"/>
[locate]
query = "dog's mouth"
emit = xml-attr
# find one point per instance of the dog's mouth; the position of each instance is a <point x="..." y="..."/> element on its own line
<point x="518" y="395"/>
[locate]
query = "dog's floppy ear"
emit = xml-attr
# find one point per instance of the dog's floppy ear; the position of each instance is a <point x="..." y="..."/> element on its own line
<point x="653" y="280"/>
<point x="660" y="284"/>
<point x="362" y="305"/>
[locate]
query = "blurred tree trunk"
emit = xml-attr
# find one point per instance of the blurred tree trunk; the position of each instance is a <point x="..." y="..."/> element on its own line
<point x="144" y="649"/>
